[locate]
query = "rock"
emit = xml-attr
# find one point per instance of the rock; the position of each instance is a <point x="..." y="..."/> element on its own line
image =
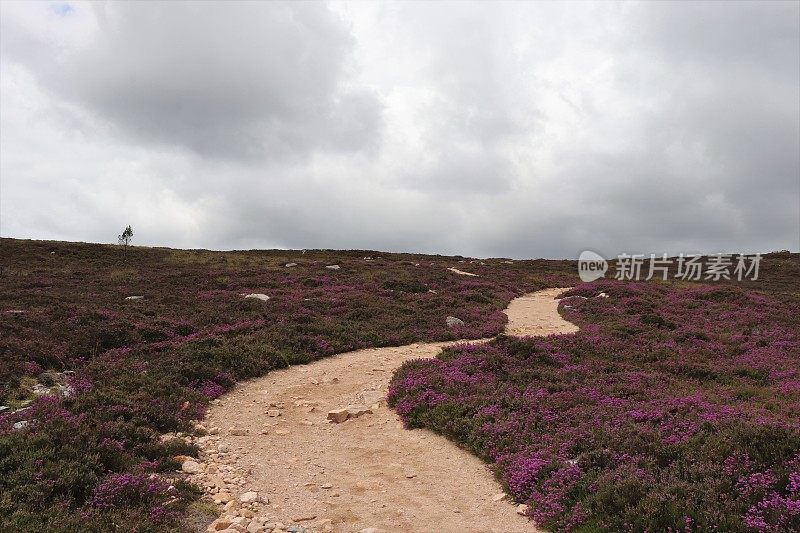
<point x="333" y="267"/>
<point x="4" y="408"/>
<point x="354" y="411"/>
<point x="522" y="509"/>
<point x="411" y="475"/>
<point x="499" y="497"/>
<point x="337" y="416"/>
<point x="255" y="528"/>
<point x="452" y="321"/>
<point x="304" y="517"/>
<point x="290" y="265"/>
<point x="22" y="424"/>
<point x="192" y="467"/>
<point x="371" y="397"/>
<point x="222" y="497"/>
<point x="182" y="458"/>
<point x="134" y="297"/>
<point x="258" y="296"/>
<point x="281" y="431"/>
<point x="249" y="497"/>
<point x="40" y="390"/>
<point x="295" y="529"/>
<point x="273" y="413"/>
<point x="602" y="295"/>
<point x="238" y="432"/>
<point x="372" y="530"/>
<point x="220" y="524"/>
<point x="327" y="485"/>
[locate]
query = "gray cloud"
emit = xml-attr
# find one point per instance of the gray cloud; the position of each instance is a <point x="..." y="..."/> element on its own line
<point x="523" y="130"/>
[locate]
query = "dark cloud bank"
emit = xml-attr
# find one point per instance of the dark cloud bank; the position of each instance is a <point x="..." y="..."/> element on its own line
<point x="521" y="130"/>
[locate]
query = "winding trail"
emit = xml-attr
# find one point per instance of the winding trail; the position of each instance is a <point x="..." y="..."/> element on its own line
<point x="367" y="472"/>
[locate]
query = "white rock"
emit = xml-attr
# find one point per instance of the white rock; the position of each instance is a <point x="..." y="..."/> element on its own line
<point x="522" y="509"/>
<point x="249" y="497"/>
<point x="290" y="265"/>
<point x="258" y="296"/>
<point x="499" y="497"/>
<point x="191" y="467"/>
<point x="333" y="267"/>
<point x="134" y="297"/>
<point x="452" y="321"/>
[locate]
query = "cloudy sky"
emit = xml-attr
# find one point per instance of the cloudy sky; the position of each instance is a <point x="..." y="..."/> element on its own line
<point x="483" y="129"/>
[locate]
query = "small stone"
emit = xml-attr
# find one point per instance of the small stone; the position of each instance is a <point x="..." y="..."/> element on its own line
<point x="220" y="524"/>
<point x="273" y="413"/>
<point x="452" y="321"/>
<point x="304" y="517"/>
<point x="371" y="530"/>
<point x="281" y="431"/>
<point x="499" y="497"/>
<point x="192" y="467"/>
<point x="354" y="411"/>
<point x="327" y="485"/>
<point x="290" y="265"/>
<point x="522" y="509"/>
<point x="249" y="497"/>
<point x="222" y="497"/>
<point x="134" y="297"/>
<point x="337" y="416"/>
<point x="257" y="296"/>
<point x="238" y="432"/>
<point x="411" y="475"/>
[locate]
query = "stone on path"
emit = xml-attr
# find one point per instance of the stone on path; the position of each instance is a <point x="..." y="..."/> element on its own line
<point x="337" y="416"/>
<point x="499" y="497"/>
<point x="354" y="411"/>
<point x="191" y="467"/>
<point x="249" y="497"/>
<point x="522" y="509"/>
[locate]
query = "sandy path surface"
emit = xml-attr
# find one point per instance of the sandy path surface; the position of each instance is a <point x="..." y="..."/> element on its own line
<point x="366" y="472"/>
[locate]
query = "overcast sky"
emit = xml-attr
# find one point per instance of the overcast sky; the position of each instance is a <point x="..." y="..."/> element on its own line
<point x="482" y="129"/>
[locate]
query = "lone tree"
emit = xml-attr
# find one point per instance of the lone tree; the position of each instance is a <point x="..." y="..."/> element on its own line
<point x="125" y="238"/>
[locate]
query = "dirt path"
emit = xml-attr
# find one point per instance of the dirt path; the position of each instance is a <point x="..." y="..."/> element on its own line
<point x="367" y="472"/>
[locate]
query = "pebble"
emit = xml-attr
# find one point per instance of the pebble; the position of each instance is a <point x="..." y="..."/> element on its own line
<point x="249" y="497"/>
<point x="191" y="467"/>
